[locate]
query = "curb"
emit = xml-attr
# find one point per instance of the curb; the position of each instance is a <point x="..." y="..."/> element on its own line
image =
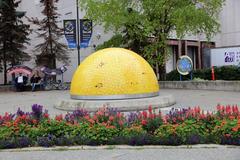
<point x="119" y="147"/>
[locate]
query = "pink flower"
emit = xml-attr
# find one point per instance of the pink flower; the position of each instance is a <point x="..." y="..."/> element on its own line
<point x="120" y="123"/>
<point x="144" y="122"/>
<point x="144" y="113"/>
<point x="119" y="115"/>
<point x="91" y="121"/>
<point x="150" y="109"/>
<point x="111" y="118"/>
<point x="227" y="135"/>
<point x="228" y="109"/>
<point x="95" y="117"/>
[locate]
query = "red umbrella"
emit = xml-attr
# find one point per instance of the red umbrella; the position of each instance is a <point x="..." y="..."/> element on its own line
<point x="19" y="69"/>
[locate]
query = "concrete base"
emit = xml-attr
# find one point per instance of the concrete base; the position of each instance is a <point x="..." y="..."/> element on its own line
<point x="121" y="105"/>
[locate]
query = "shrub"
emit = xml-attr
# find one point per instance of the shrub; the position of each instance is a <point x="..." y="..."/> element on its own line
<point x="221" y="73"/>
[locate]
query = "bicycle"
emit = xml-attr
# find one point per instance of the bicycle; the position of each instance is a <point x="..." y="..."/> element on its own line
<point x="56" y="85"/>
<point x="50" y="74"/>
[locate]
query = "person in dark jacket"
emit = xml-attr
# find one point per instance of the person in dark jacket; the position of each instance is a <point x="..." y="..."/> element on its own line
<point x="35" y="79"/>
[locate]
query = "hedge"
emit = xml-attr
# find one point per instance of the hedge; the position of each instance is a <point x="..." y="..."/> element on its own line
<point x="221" y="73"/>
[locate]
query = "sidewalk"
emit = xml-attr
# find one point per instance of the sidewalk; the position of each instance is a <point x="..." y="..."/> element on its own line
<point x="207" y="100"/>
<point x="196" y="152"/>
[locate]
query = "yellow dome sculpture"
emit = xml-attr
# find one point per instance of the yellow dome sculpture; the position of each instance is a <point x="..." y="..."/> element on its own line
<point x="114" y="73"/>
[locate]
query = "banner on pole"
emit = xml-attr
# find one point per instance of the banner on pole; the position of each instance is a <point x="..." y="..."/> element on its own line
<point x="70" y="32"/>
<point x="85" y="32"/>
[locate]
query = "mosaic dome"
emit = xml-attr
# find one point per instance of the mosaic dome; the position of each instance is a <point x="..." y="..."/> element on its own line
<point x="114" y="73"/>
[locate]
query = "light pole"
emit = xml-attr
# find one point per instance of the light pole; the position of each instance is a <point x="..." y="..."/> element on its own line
<point x="78" y="36"/>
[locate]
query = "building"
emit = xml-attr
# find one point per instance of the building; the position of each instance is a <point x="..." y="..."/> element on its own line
<point x="193" y="46"/>
<point x="196" y="47"/>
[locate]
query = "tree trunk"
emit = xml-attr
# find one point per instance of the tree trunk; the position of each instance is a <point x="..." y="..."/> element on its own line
<point x="5" y="68"/>
<point x="162" y="66"/>
<point x="162" y="72"/>
<point x="4" y="64"/>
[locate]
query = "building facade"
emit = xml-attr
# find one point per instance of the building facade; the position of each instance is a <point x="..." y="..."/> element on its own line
<point x="193" y="46"/>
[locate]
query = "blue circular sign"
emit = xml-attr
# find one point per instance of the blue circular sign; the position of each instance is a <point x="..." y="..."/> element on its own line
<point x="184" y="65"/>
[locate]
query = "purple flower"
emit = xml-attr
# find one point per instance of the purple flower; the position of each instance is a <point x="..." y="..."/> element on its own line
<point x="80" y="113"/>
<point x="37" y="111"/>
<point x="132" y="117"/>
<point x="20" y="112"/>
<point x="112" y="111"/>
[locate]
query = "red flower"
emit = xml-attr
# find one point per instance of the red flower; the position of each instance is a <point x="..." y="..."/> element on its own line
<point x="228" y="109"/>
<point x="197" y="109"/>
<point x="111" y="127"/>
<point x="46" y="115"/>
<point x="91" y="121"/>
<point x="95" y="117"/>
<point x="152" y="116"/>
<point x="231" y="117"/>
<point x="34" y="121"/>
<point x="59" y="117"/>
<point x="144" y="113"/>
<point x="120" y="123"/>
<point x="119" y="115"/>
<point x="174" y="120"/>
<point x="235" y="129"/>
<point x="144" y="122"/>
<point x="111" y="118"/>
<point x="150" y="109"/>
<point x="87" y="117"/>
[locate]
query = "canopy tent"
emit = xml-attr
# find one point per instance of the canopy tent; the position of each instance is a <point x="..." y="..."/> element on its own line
<point x="19" y="69"/>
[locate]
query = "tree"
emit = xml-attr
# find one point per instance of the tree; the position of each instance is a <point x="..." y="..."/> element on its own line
<point x="145" y="25"/>
<point x="13" y="35"/>
<point x="51" y="49"/>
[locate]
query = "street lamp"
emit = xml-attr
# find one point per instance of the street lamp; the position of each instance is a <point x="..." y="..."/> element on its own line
<point x="78" y="36"/>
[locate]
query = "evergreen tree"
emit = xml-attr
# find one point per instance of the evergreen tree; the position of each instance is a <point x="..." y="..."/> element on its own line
<point x="51" y="49"/>
<point x="13" y="35"/>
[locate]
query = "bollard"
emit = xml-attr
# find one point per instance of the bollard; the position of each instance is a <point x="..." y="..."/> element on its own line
<point x="213" y="76"/>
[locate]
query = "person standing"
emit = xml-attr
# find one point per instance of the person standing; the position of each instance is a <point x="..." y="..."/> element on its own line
<point x="20" y="82"/>
<point x="35" y="79"/>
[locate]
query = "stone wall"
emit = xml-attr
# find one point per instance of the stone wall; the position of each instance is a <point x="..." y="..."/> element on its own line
<point x="202" y="85"/>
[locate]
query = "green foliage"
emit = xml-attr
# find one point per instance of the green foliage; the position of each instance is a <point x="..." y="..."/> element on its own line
<point x="132" y="131"/>
<point x="167" y="135"/>
<point x="221" y="73"/>
<point x="13" y="36"/>
<point x="226" y="129"/>
<point x="192" y="132"/>
<point x="152" y="124"/>
<point x="115" y="41"/>
<point x="100" y="134"/>
<point x="146" y="25"/>
<point x="5" y="132"/>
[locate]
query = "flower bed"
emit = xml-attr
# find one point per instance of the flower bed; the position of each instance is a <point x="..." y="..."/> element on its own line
<point x="108" y="126"/>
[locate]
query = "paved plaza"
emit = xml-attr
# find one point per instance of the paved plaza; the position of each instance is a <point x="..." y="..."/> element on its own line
<point x="10" y="101"/>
